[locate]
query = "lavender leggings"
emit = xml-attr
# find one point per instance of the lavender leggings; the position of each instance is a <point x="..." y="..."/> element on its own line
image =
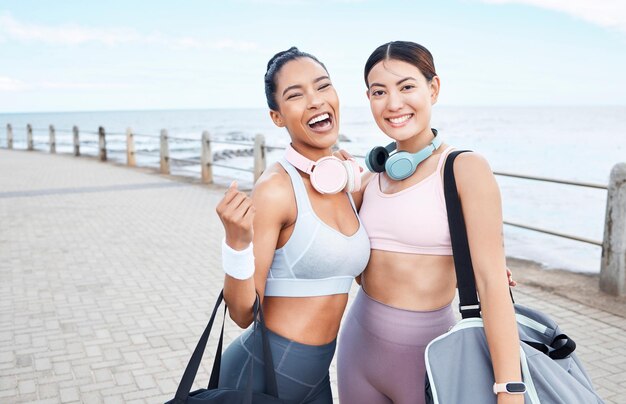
<point x="380" y="357"/>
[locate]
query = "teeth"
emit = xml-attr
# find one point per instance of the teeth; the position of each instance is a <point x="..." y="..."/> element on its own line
<point x="400" y="119"/>
<point x="319" y="118"/>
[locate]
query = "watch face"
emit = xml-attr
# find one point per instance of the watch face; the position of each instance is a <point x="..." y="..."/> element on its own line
<point x="516" y="387"/>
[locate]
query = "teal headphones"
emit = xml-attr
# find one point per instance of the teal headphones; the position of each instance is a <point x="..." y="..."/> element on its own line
<point x="401" y="164"/>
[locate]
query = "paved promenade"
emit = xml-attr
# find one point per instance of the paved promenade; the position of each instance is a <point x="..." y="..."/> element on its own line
<point x="108" y="275"/>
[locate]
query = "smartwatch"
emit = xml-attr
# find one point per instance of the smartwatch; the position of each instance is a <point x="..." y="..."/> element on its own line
<point x="509" y="388"/>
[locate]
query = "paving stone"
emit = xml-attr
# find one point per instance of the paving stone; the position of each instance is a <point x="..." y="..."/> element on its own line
<point x="8" y="356"/>
<point x="43" y="364"/>
<point x="69" y="394"/>
<point x="49" y="390"/>
<point x="27" y="387"/>
<point x="8" y="393"/>
<point x="118" y="399"/>
<point x="26" y="398"/>
<point x="91" y="398"/>
<point x="123" y="378"/>
<point x="8" y="382"/>
<point x="145" y="382"/>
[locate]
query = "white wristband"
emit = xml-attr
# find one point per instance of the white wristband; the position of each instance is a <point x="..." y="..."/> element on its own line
<point x="238" y="264"/>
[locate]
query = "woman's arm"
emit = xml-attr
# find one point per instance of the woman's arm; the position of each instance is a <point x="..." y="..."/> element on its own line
<point x="482" y="210"/>
<point x="357" y="196"/>
<point x="261" y="224"/>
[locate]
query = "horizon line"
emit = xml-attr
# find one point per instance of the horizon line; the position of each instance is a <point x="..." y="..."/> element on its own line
<point x="347" y="106"/>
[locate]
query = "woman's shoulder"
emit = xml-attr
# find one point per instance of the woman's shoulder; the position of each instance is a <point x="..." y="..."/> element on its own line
<point x="273" y="187"/>
<point x="471" y="161"/>
<point x="472" y="169"/>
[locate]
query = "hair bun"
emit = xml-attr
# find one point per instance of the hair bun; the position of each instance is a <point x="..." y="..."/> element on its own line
<point x="293" y="49"/>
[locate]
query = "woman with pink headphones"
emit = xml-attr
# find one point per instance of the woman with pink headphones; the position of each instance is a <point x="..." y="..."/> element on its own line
<point x="297" y="241"/>
<point x="410" y="281"/>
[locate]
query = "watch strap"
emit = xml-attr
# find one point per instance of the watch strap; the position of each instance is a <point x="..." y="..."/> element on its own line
<point x="509" y="388"/>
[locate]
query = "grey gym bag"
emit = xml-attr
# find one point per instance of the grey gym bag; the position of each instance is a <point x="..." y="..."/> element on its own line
<point x="458" y="363"/>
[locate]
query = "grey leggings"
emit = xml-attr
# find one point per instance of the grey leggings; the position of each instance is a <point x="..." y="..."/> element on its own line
<point x="380" y="359"/>
<point x="301" y="370"/>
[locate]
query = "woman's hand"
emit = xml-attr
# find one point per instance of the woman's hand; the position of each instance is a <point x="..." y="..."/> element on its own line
<point x="237" y="214"/>
<point x="343" y="155"/>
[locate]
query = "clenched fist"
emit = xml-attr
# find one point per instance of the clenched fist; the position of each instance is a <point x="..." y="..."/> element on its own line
<point x="236" y="213"/>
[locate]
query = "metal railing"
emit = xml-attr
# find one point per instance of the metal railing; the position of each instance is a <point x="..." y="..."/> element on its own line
<point x="553" y="181"/>
<point x="612" y="245"/>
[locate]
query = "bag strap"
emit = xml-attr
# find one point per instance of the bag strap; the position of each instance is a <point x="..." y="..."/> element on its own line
<point x="271" y="387"/>
<point x="562" y="347"/>
<point x="184" y="387"/>
<point x="469" y="305"/>
<point x="186" y="383"/>
<point x="214" y="379"/>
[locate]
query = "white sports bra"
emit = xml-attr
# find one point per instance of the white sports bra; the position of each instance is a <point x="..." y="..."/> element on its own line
<point x="317" y="260"/>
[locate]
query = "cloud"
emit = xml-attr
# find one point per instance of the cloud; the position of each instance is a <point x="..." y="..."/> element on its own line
<point x="9" y="84"/>
<point x="72" y="34"/>
<point x="70" y="85"/>
<point x="606" y="13"/>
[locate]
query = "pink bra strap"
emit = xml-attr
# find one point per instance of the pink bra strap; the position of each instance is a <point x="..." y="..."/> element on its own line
<point x="443" y="157"/>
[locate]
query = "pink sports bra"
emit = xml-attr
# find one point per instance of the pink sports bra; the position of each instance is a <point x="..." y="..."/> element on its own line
<point x="413" y="220"/>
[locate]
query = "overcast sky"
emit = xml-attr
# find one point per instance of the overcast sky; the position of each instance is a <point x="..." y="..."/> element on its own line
<point x="128" y="55"/>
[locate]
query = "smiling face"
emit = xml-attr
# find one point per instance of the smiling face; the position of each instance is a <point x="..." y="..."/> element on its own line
<point x="308" y="105"/>
<point x="401" y="99"/>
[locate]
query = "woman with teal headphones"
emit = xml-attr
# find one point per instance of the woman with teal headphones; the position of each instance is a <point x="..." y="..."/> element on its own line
<point x="410" y="282"/>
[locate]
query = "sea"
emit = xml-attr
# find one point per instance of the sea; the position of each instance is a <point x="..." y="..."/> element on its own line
<point x="569" y="143"/>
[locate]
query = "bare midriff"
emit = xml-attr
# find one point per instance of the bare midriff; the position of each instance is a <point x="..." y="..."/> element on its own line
<point x="410" y="281"/>
<point x="307" y="320"/>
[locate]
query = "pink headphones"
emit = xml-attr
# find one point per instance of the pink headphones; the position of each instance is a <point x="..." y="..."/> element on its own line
<point x="329" y="175"/>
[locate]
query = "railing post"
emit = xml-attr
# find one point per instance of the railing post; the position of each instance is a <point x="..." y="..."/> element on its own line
<point x="165" y="153"/>
<point x="53" y="146"/>
<point x="9" y="136"/>
<point x="130" y="148"/>
<point x="29" y="137"/>
<point x="207" y="158"/>
<point x="259" y="156"/>
<point x="76" y="141"/>
<point x="613" y="268"/>
<point x="102" y="144"/>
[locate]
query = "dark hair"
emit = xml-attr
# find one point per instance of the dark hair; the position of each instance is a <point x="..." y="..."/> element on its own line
<point x="405" y="51"/>
<point x="273" y="67"/>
